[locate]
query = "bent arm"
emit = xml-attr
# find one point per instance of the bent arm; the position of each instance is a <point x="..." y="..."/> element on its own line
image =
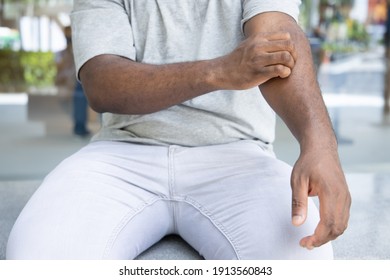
<point x="119" y="85"/>
<point x="298" y="101"/>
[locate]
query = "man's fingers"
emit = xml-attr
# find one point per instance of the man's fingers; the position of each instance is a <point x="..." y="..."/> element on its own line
<point x="263" y="46"/>
<point x="320" y="237"/>
<point x="275" y="36"/>
<point x="299" y="201"/>
<point x="281" y="57"/>
<point x="310" y="178"/>
<point x="280" y="41"/>
<point x="274" y="42"/>
<point x="326" y="230"/>
<point x="272" y="65"/>
<point x="273" y="71"/>
<point x="260" y="58"/>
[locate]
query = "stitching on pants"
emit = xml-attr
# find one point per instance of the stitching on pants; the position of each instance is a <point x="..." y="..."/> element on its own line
<point x="124" y="221"/>
<point x="217" y="224"/>
<point x="171" y="183"/>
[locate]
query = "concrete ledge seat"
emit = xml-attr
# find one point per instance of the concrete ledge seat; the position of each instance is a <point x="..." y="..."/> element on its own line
<point x="171" y="247"/>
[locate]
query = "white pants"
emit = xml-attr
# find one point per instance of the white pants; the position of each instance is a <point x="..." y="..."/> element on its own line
<point x="114" y="200"/>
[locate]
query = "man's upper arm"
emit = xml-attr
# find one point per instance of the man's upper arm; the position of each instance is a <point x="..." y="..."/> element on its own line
<point x="100" y="27"/>
<point x="300" y="91"/>
<point x="252" y="8"/>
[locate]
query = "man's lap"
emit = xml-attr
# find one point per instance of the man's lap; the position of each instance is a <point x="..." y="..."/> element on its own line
<point x="114" y="200"/>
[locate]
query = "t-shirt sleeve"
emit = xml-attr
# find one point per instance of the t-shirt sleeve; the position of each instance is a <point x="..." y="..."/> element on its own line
<point x="252" y="8"/>
<point x="100" y="27"/>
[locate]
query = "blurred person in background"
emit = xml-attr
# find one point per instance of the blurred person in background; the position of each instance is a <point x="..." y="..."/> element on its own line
<point x="68" y="85"/>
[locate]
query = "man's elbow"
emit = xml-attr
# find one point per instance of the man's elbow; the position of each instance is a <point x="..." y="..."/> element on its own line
<point x="97" y="105"/>
<point x="93" y="95"/>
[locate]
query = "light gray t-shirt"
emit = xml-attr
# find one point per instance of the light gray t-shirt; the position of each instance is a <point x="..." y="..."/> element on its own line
<point x="170" y="31"/>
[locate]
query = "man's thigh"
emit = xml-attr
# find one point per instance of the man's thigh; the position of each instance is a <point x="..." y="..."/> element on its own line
<point x="99" y="203"/>
<point x="240" y="197"/>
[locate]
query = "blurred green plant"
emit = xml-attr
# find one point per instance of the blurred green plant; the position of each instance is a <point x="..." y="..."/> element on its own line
<point x="357" y="40"/>
<point x="357" y="32"/>
<point x="338" y="47"/>
<point x="337" y="2"/>
<point x="11" y="72"/>
<point x="39" y="68"/>
<point x="20" y="70"/>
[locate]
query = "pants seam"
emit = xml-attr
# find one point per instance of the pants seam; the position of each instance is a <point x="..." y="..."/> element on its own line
<point x="171" y="183"/>
<point x="124" y="221"/>
<point x="215" y="222"/>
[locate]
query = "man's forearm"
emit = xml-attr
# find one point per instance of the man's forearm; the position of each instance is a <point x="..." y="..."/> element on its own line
<point x="296" y="99"/>
<point x="118" y="85"/>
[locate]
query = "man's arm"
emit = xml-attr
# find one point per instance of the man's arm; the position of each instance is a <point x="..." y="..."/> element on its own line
<point x="298" y="101"/>
<point x="119" y="85"/>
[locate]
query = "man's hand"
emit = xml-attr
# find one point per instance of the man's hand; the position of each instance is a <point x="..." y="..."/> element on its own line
<point x="318" y="173"/>
<point x="258" y="59"/>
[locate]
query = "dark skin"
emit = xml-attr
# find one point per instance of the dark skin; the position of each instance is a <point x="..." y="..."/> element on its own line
<point x="298" y="101"/>
<point x="118" y="85"/>
<point x="276" y="57"/>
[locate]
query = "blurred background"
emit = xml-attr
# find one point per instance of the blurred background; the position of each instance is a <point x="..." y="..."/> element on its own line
<point x="44" y="116"/>
<point x="41" y="101"/>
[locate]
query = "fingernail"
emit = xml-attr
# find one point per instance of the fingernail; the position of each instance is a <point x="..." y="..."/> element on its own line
<point x="297" y="220"/>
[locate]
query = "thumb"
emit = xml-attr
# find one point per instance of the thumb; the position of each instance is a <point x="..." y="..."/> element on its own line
<point x="299" y="201"/>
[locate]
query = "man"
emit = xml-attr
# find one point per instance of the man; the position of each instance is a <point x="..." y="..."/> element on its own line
<point x="186" y="143"/>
